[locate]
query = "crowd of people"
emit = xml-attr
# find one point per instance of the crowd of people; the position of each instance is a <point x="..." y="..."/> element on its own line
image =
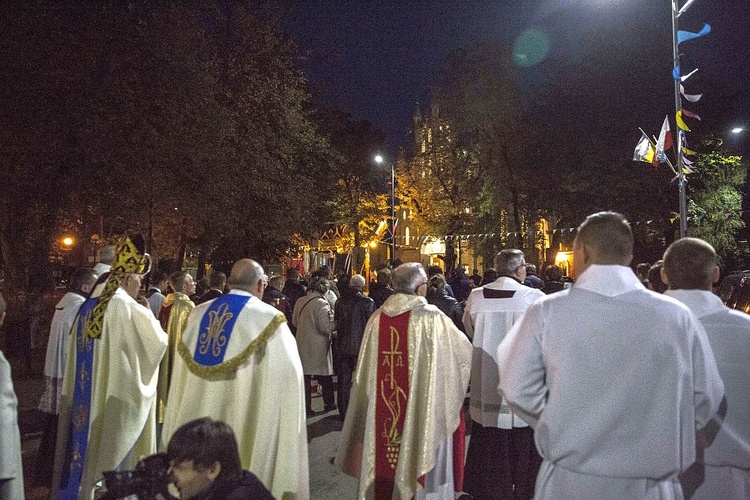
<point x="599" y="389"/>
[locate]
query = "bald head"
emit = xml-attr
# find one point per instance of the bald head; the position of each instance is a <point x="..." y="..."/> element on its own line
<point x="603" y="238"/>
<point x="690" y="264"/>
<point x="247" y="275"/>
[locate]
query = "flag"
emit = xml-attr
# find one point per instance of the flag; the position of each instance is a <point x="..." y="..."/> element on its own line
<point x="644" y="151"/>
<point x="663" y="144"/>
<point x="680" y="122"/>
<point x="690" y="97"/>
<point x="684" y="36"/>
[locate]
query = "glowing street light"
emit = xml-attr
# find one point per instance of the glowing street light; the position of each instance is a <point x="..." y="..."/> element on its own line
<point x="737" y="130"/>
<point x="68" y="241"/>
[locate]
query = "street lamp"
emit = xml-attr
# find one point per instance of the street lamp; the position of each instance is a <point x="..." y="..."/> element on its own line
<point x="379" y="159"/>
<point x="737" y="130"/>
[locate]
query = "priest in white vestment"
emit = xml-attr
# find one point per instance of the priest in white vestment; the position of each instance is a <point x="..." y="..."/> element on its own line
<point x="108" y="402"/>
<point x="406" y="398"/>
<point x="614" y="378"/>
<point x="238" y="363"/>
<point x="723" y="468"/>
<point x="502" y="461"/>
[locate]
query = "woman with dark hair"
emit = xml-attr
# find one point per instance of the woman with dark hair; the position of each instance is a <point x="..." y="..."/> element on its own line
<point x="490" y="275"/>
<point x="437" y="296"/>
<point x="204" y="463"/>
<point x="553" y="279"/>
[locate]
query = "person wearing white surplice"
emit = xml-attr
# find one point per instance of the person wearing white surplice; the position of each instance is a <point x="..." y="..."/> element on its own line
<point x="615" y="379"/>
<point x="81" y="283"/>
<point x="502" y="460"/>
<point x="108" y="403"/>
<point x="11" y="470"/>
<point x="403" y="433"/>
<point x="723" y="468"/>
<point x="238" y="362"/>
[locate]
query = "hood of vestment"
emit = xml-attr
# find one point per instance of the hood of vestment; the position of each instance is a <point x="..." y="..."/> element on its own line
<point x="399" y="303"/>
<point x="177" y="297"/>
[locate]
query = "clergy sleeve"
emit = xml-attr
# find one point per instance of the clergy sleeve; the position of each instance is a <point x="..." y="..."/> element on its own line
<point x="468" y="326"/>
<point x="707" y="383"/>
<point x="521" y="367"/>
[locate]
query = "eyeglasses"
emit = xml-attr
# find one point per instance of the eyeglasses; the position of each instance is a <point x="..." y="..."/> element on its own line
<point x="423" y="283"/>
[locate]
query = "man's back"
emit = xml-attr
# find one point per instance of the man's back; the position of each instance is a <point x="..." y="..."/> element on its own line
<point x="626" y="377"/>
<point x="256" y="388"/>
<point x="437" y="357"/>
<point x="352" y="312"/>
<point x="728" y="332"/>
<point x="491" y="311"/>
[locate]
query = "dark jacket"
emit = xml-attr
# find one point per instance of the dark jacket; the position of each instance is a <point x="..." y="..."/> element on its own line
<point x="450" y="307"/>
<point x="379" y="293"/>
<point x="293" y="291"/>
<point x="210" y="294"/>
<point x="461" y="287"/>
<point x="270" y="294"/>
<point x="245" y="487"/>
<point x="351" y="315"/>
<point x="534" y="281"/>
<point x="553" y="286"/>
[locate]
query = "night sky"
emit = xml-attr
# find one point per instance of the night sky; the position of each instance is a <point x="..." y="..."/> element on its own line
<point x="376" y="59"/>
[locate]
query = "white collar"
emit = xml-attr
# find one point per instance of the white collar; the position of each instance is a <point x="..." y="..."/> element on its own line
<point x="610" y="280"/>
<point x="241" y="292"/>
<point x="701" y="302"/>
<point x="506" y="283"/>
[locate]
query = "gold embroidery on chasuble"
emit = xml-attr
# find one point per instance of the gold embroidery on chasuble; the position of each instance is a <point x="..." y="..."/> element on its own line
<point x="394" y="397"/>
<point x="214" y="337"/>
<point x="229" y="367"/>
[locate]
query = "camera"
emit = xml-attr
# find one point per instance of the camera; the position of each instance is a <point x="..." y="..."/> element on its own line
<point x="151" y="476"/>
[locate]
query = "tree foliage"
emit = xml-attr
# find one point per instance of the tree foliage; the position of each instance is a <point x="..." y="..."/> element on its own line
<point x="715" y="198"/>
<point x="185" y="121"/>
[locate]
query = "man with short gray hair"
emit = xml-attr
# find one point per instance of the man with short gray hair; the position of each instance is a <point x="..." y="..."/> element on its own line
<point x="615" y="379"/>
<point x="238" y="362"/>
<point x="409" y="384"/>
<point x="106" y="257"/>
<point x="722" y="469"/>
<point x="353" y="309"/>
<point x="491" y="311"/>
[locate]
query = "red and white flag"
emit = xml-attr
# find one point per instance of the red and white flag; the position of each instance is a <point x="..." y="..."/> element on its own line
<point x="664" y="143"/>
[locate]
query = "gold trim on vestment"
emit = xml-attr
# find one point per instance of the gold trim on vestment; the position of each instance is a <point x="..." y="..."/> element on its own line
<point x="218" y="371"/>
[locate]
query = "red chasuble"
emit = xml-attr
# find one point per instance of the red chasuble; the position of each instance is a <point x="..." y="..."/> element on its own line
<point x="393" y="393"/>
<point x="163" y="318"/>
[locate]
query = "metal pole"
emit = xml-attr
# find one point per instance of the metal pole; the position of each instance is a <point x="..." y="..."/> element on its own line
<point x="393" y="213"/>
<point x="678" y="107"/>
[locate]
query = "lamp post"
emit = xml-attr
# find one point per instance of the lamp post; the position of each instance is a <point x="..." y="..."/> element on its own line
<point x="379" y="160"/>
<point x="678" y="106"/>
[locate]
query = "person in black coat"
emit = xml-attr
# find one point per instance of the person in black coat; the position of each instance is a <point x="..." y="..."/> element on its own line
<point x="272" y="295"/>
<point x="381" y="290"/>
<point x="353" y="309"/>
<point x="293" y="290"/>
<point x="460" y="284"/>
<point x="437" y="296"/>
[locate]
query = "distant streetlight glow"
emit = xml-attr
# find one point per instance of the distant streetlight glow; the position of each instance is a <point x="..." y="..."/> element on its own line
<point x="378" y="159"/>
<point x="68" y="241"/>
<point x="737" y="130"/>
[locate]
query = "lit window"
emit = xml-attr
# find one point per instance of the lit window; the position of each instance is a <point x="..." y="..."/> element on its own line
<point x="406" y="234"/>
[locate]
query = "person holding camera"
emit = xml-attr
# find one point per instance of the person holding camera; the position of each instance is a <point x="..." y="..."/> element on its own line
<point x="204" y="464"/>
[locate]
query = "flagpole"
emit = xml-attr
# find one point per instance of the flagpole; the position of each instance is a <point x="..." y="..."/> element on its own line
<point x="678" y="107"/>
